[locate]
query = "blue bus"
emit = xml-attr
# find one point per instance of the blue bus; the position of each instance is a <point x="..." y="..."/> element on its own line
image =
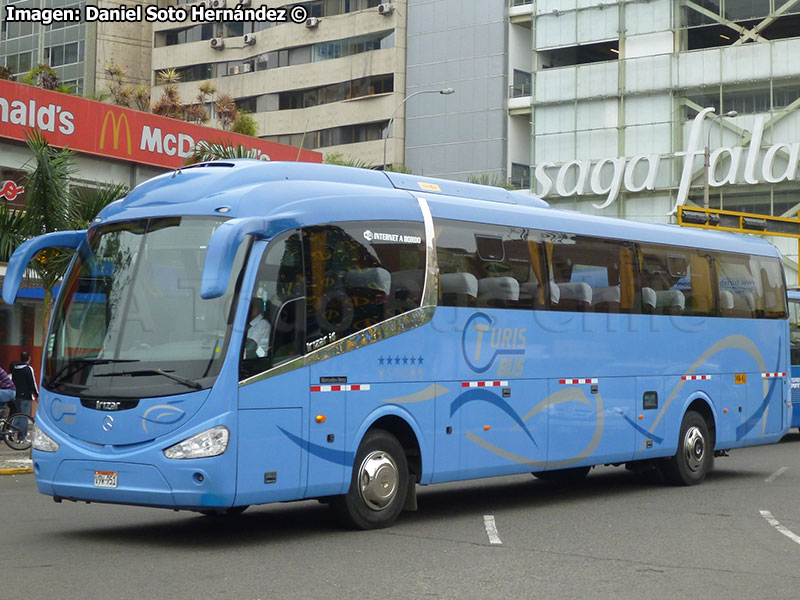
<point x="793" y="296"/>
<point x="242" y="332"/>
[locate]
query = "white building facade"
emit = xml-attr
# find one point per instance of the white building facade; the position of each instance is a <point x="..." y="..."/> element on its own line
<point x="330" y="83"/>
<point x="627" y="95"/>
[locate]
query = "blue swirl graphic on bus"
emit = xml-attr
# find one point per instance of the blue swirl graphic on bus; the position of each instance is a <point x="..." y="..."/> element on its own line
<point x="338" y="457"/>
<point x="483" y="395"/>
<point x="509" y="342"/>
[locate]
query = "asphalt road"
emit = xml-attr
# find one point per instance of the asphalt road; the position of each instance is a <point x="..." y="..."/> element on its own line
<point x="616" y="535"/>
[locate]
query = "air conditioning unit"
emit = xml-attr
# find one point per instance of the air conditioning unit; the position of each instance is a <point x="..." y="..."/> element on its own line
<point x="217" y="3"/>
<point x="312" y="22"/>
<point x="249" y="39"/>
<point x="386" y="8"/>
<point x="245" y="3"/>
<point x="246" y="68"/>
<point x="217" y="43"/>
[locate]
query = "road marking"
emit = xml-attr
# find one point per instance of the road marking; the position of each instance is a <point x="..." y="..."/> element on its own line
<point x="776" y="524"/>
<point x="491" y="529"/>
<point x="776" y="474"/>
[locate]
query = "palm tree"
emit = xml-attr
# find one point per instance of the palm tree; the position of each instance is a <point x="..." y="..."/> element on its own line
<point x="206" y="151"/>
<point x="51" y="204"/>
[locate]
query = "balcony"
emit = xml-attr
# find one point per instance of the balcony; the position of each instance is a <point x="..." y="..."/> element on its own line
<point x="520" y="12"/>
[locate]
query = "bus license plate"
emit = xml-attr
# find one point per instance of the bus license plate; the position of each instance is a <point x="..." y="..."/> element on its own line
<point x="105" y="479"/>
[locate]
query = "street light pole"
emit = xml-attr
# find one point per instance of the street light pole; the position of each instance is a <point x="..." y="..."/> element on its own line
<point x="444" y="92"/>
<point x="707" y="157"/>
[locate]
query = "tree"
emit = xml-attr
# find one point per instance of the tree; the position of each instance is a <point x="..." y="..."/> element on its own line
<point x="51" y="205"/>
<point x="493" y="180"/>
<point x="227" y="112"/>
<point x="245" y="124"/>
<point x="206" y="151"/>
<point x="169" y="104"/>
<point x="120" y="92"/>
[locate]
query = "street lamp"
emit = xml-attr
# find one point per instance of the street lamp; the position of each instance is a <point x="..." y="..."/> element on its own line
<point x="444" y="92"/>
<point x="707" y="161"/>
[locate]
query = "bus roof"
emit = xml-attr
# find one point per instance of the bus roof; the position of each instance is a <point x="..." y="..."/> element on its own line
<point x="313" y="194"/>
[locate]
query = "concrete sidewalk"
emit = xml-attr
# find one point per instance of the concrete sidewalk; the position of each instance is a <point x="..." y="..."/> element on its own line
<point x="14" y="462"/>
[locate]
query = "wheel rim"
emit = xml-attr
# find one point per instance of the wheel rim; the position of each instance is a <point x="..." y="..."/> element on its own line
<point x="694" y="448"/>
<point x="378" y="480"/>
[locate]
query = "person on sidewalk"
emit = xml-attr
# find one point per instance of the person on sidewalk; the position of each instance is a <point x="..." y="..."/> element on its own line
<point x="25" y="382"/>
<point x="7" y="390"/>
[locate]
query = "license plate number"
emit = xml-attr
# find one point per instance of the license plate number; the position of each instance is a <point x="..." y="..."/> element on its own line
<point x="105" y="479"/>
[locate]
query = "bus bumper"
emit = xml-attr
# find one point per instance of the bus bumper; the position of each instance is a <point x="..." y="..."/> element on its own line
<point x="194" y="486"/>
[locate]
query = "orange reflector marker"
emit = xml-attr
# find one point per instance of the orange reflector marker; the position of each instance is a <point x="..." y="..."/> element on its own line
<point x="641" y="416"/>
<point x="321" y="418"/>
<point x="487" y="427"/>
<point x="724" y="410"/>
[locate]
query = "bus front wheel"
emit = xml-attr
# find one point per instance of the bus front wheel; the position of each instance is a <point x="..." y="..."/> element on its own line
<point x="378" y="486"/>
<point x="695" y="455"/>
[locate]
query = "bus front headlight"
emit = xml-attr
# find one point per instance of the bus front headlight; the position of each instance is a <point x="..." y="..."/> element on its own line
<point x="205" y="444"/>
<point x="43" y="442"/>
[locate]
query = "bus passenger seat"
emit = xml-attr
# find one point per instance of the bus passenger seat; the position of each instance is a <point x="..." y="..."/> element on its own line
<point x="497" y="292"/>
<point x="726" y="301"/>
<point x="529" y="293"/>
<point x="606" y="299"/>
<point x="648" y="300"/>
<point x="369" y="289"/>
<point x="406" y="290"/>
<point x="670" y="302"/>
<point x="458" y="289"/>
<point x="576" y="296"/>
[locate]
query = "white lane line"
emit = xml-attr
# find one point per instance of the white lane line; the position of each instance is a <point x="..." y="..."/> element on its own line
<point x="491" y="529"/>
<point x="776" y="524"/>
<point x="776" y="474"/>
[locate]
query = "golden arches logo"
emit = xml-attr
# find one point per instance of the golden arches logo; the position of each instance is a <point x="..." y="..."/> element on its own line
<point x="116" y="125"/>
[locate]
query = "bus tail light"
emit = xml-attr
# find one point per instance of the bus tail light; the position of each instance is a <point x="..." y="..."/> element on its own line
<point x="205" y="444"/>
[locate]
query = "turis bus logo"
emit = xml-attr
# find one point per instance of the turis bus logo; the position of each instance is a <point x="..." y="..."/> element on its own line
<point x="116" y="126"/>
<point x="10" y="190"/>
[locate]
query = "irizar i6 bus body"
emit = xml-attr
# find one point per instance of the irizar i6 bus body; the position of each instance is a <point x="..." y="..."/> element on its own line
<point x="245" y="332"/>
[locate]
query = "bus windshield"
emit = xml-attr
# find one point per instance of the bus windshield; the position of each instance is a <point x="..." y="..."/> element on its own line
<point x="130" y="322"/>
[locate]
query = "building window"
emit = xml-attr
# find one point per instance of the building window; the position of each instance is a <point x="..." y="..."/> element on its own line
<point x="580" y="55"/>
<point x="522" y="84"/>
<point x="520" y="176"/>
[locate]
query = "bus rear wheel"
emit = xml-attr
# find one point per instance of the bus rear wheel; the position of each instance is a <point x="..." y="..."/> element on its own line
<point x="378" y="486"/>
<point x="695" y="455"/>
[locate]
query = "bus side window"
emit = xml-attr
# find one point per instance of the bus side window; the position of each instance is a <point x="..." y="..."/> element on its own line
<point x="274" y="330"/>
<point x="488" y="266"/>
<point x="360" y="274"/>
<point x="593" y="274"/>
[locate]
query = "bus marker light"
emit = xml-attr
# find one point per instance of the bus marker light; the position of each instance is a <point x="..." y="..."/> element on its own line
<point x="641" y="416"/>
<point x="321" y="418"/>
<point x="724" y="410"/>
<point x="487" y="427"/>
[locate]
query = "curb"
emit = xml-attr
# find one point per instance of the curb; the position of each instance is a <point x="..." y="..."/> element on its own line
<point x="16" y="471"/>
<point x="16" y="466"/>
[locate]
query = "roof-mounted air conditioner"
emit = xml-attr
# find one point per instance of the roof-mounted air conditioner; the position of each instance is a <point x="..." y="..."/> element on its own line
<point x="217" y="43"/>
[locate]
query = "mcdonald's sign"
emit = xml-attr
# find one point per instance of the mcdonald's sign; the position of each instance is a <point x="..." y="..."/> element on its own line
<point x="118" y="133"/>
<point x="116" y="125"/>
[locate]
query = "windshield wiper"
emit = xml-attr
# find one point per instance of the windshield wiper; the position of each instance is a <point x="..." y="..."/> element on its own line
<point x="187" y="382"/>
<point x="78" y="364"/>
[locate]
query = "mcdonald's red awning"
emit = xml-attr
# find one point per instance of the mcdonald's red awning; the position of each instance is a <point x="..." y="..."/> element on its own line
<point x="101" y="129"/>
